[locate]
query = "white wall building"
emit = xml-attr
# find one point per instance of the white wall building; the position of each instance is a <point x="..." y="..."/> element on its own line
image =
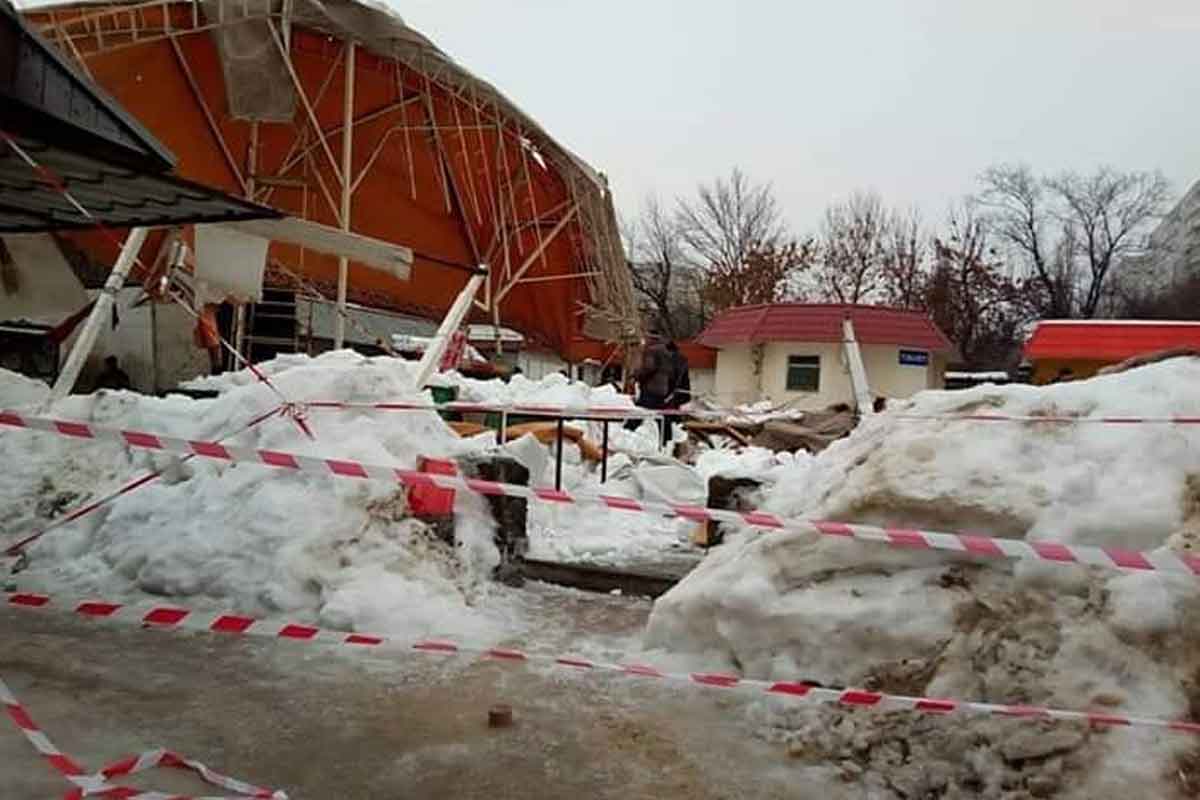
<point x="1175" y="243"/>
<point x="794" y="353"/>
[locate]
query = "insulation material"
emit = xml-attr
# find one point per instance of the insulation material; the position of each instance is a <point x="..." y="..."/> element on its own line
<point x="38" y="283"/>
<point x="257" y="83"/>
<point x="229" y="265"/>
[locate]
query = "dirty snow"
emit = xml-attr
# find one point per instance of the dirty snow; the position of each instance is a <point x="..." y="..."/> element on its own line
<point x="553" y="390"/>
<point x="794" y="605"/>
<point x="338" y="552"/>
<point x="17" y="391"/>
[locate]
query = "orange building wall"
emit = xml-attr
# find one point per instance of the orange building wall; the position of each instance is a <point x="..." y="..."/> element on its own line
<point x="1046" y="370"/>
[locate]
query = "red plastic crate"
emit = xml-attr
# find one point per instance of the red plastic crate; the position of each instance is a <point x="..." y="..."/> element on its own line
<point x="432" y="500"/>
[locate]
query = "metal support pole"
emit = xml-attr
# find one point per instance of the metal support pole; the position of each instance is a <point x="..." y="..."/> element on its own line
<point x="503" y="425"/>
<point x="604" y="454"/>
<point x="339" y="331"/>
<point x="154" y="344"/>
<point x="454" y="317"/>
<point x="239" y="330"/>
<point x="100" y="311"/>
<point x="558" y="457"/>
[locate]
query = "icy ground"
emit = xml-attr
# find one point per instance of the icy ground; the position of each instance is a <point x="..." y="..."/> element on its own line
<point x="791" y="605"/>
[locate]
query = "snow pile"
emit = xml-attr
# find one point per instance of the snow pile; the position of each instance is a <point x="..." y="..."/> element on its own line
<point x="553" y="390"/>
<point x="791" y="605"/>
<point x="595" y="535"/>
<point x="340" y="552"/>
<point x="758" y="463"/>
<point x="17" y="391"/>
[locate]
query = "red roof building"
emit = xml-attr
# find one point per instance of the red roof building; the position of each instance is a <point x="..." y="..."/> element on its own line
<point x="822" y="322"/>
<point x="1080" y="348"/>
<point x="795" y="353"/>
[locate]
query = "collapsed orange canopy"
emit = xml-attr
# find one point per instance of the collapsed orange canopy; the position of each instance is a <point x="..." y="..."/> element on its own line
<point x="439" y="160"/>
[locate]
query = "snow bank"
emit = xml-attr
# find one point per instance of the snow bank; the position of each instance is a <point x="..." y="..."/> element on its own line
<point x="343" y="553"/>
<point x="790" y="605"/>
<point x="553" y="390"/>
<point x="263" y="541"/>
<point x="17" y="391"/>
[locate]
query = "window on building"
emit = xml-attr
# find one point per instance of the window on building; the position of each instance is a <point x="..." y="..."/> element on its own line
<point x="804" y="374"/>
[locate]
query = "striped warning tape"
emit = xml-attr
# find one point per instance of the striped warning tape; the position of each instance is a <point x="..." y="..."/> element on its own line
<point x="963" y="544"/>
<point x="237" y="624"/>
<point x="16" y="547"/>
<point x="98" y="784"/>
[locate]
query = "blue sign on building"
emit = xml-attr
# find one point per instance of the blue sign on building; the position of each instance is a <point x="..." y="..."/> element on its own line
<point x="914" y="358"/>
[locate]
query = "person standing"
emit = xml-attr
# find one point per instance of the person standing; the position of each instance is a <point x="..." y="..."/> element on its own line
<point x="653" y="380"/>
<point x="681" y="380"/>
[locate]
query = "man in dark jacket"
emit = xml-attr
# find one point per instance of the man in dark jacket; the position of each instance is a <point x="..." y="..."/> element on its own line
<point x="658" y="383"/>
<point x="681" y="381"/>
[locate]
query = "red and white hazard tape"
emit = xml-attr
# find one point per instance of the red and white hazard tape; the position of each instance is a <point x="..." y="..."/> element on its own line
<point x="1051" y="420"/>
<point x="183" y="618"/>
<point x="98" y="784"/>
<point x="526" y="409"/>
<point x="1162" y="560"/>
<point x="16" y="547"/>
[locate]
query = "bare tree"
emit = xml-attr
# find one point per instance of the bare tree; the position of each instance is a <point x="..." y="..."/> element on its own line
<point x="968" y="293"/>
<point x="1108" y="213"/>
<point x="761" y="278"/>
<point x="662" y="277"/>
<point x="905" y="260"/>
<point x="728" y="220"/>
<point x="854" y="245"/>
<point x="1070" y="232"/>
<point x="1019" y="214"/>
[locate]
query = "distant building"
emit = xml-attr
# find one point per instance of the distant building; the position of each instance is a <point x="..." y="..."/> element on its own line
<point x="1175" y="243"/>
<point x="794" y="352"/>
<point x="1062" y="349"/>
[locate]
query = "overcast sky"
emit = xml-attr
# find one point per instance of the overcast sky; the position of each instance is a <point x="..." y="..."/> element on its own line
<point x="912" y="98"/>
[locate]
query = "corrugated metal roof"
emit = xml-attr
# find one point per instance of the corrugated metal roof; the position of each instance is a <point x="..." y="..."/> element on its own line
<point x="822" y="322"/>
<point x="1108" y="340"/>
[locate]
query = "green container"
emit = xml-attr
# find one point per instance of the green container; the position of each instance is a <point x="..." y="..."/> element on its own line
<point x="446" y="394"/>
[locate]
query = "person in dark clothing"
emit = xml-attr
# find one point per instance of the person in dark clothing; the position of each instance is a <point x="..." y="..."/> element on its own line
<point x="112" y="376"/>
<point x="681" y="381"/>
<point x="611" y="376"/>
<point x="656" y="383"/>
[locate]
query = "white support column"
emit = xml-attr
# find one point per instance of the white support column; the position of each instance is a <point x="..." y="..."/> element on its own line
<point x="858" y="370"/>
<point x="100" y="311"/>
<point x="339" y="330"/>
<point x="454" y="317"/>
